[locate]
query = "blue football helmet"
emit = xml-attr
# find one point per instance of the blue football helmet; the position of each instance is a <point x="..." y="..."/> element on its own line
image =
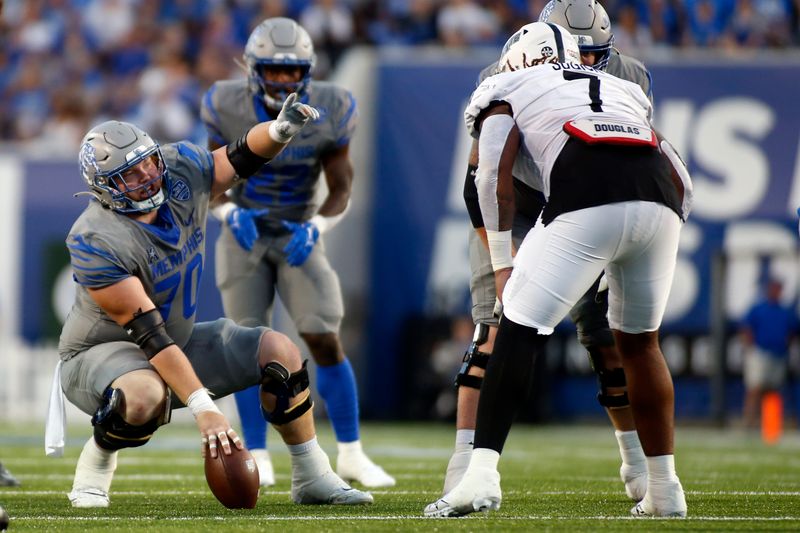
<point x="278" y="41"/>
<point x="587" y="21"/>
<point x="108" y="152"/>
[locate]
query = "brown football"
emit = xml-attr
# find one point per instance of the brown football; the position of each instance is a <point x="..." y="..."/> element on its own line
<point x="233" y="478"/>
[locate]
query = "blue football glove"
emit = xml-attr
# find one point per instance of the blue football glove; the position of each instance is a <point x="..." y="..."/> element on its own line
<point x="304" y="236"/>
<point x="242" y="224"/>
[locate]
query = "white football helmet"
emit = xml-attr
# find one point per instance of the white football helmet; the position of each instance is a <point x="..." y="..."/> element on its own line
<point x="107" y="152"/>
<point x="587" y="21"/>
<point x="278" y="41"/>
<point x="538" y="43"/>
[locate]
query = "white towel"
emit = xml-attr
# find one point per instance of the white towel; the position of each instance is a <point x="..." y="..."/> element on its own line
<point x="56" y="418"/>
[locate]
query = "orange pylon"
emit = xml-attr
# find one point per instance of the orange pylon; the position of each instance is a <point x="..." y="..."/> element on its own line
<point x="771" y="417"/>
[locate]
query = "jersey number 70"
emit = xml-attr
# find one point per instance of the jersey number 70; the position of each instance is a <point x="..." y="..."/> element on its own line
<point x="190" y="285"/>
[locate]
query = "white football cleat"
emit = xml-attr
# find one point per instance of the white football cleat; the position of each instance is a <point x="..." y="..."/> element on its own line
<point x="329" y="489"/>
<point x="266" y="474"/>
<point x="87" y="498"/>
<point x="357" y="467"/>
<point x="665" y="500"/>
<point x="479" y="490"/>
<point x="635" y="479"/>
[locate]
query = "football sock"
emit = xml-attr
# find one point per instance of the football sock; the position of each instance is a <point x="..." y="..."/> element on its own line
<point x="506" y="383"/>
<point x="464" y="439"/>
<point x="661" y="469"/>
<point x="254" y="427"/>
<point x="94" y="466"/>
<point x="308" y="461"/>
<point x="484" y="458"/>
<point x="630" y="449"/>
<point x="459" y="461"/>
<point x="337" y="386"/>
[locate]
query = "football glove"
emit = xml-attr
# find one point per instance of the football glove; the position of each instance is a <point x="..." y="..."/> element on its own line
<point x="304" y="236"/>
<point x="293" y="116"/>
<point x="242" y="224"/>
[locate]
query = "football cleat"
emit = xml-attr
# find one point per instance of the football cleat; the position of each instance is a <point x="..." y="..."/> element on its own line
<point x="88" y="497"/>
<point x="479" y="490"/>
<point x="635" y="480"/>
<point x="6" y="478"/>
<point x="662" y="500"/>
<point x="329" y="489"/>
<point x="266" y="474"/>
<point x="357" y="467"/>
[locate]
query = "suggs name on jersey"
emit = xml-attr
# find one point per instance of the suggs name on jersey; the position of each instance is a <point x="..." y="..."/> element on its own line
<point x="170" y="263"/>
<point x="572" y="66"/>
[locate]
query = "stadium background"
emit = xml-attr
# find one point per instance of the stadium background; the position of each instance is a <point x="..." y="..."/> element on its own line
<point x="724" y="94"/>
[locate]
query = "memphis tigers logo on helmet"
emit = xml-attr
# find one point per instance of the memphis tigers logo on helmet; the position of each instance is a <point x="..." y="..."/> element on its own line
<point x="180" y="191"/>
<point x="88" y="161"/>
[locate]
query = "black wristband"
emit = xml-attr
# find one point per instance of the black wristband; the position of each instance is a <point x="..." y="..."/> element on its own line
<point x="149" y="332"/>
<point x="242" y="158"/>
<point x="471" y="197"/>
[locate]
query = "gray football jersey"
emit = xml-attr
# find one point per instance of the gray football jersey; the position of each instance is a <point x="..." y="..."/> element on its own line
<point x="287" y="184"/>
<point x="631" y="69"/>
<point x="167" y="256"/>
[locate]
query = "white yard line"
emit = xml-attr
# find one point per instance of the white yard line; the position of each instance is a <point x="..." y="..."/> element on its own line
<point x="317" y="518"/>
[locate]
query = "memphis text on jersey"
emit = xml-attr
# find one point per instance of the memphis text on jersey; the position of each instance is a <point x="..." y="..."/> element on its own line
<point x="173" y="261"/>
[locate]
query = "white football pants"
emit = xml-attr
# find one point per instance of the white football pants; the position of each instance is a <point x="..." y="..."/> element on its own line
<point x="636" y="243"/>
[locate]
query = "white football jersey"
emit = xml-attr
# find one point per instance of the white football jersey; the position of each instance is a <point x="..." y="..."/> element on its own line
<point x="543" y="98"/>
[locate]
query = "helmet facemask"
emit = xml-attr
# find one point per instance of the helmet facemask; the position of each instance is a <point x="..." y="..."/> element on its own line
<point x="275" y="93"/>
<point x="602" y="52"/>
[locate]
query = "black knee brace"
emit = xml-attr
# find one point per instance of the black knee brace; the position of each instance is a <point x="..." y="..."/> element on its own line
<point x="589" y="316"/>
<point x="276" y="379"/>
<point x="473" y="357"/>
<point x="609" y="378"/>
<point x="112" y="432"/>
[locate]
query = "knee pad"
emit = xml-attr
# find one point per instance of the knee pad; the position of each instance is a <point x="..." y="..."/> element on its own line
<point x="589" y="317"/>
<point x="276" y="379"/>
<point x="112" y="432"/>
<point x="609" y="378"/>
<point x="473" y="357"/>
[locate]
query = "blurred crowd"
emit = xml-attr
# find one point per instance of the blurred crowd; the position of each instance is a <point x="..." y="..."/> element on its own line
<point x="66" y="64"/>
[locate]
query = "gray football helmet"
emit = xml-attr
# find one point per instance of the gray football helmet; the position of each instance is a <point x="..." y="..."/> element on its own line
<point x="276" y="42"/>
<point x="587" y="21"/>
<point x="107" y="152"/>
<point x="538" y="43"/>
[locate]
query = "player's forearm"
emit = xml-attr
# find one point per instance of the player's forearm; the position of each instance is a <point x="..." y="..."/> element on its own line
<point x="240" y="159"/>
<point x="493" y="196"/>
<point x="261" y="142"/>
<point x="335" y="203"/>
<point x="176" y="371"/>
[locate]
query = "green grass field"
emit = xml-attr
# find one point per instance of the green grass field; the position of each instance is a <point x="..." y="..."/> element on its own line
<point x="554" y="478"/>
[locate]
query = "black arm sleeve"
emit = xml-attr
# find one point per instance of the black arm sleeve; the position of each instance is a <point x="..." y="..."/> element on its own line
<point x="471" y="197"/>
